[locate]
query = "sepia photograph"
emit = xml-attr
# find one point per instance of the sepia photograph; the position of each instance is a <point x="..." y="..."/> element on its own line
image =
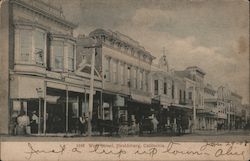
<point x="128" y="79"/>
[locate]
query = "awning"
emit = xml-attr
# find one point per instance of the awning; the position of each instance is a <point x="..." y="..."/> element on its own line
<point x="140" y="98"/>
<point x="70" y="87"/>
<point x="181" y="106"/>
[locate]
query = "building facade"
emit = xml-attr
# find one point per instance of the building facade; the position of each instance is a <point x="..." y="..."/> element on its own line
<point x="38" y="69"/>
<point x="125" y="68"/>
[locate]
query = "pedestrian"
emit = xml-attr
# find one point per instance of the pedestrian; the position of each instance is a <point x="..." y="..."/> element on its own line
<point x="83" y="124"/>
<point x="155" y="123"/>
<point x="23" y="122"/>
<point x="34" y="123"/>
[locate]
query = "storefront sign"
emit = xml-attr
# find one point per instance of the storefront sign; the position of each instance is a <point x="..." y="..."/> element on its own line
<point x="119" y="101"/>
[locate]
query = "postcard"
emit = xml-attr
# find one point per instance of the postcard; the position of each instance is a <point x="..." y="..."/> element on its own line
<point x="124" y="80"/>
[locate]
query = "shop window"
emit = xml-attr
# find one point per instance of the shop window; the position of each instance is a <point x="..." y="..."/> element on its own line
<point x="25" y="44"/>
<point x="107" y="111"/>
<point x="71" y="57"/>
<point x="39" y="47"/>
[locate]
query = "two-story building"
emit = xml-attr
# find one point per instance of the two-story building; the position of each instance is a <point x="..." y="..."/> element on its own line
<point x="38" y="69"/>
<point x="124" y="66"/>
<point x="210" y="108"/>
<point x="194" y="92"/>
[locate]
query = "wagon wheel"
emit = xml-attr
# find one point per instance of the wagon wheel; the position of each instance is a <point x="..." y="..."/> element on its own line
<point x="123" y="130"/>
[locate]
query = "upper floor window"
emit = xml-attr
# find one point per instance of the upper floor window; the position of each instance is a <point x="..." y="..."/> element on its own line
<point x="25" y="45"/>
<point x="58" y="52"/>
<point x="135" y="77"/>
<point x="173" y="90"/>
<point x="71" y="57"/>
<point x="189" y="95"/>
<point x="165" y="88"/>
<point x="107" y="68"/>
<point x="156" y="89"/>
<point x="122" y="73"/>
<point x="146" y="81"/>
<point x="129" y="75"/>
<point x="114" y="68"/>
<point x="180" y="97"/>
<point x="184" y="96"/>
<point x="141" y="79"/>
<point x="39" y="38"/>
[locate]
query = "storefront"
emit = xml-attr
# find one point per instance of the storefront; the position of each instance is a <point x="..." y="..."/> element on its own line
<point x="179" y="117"/>
<point x="48" y="107"/>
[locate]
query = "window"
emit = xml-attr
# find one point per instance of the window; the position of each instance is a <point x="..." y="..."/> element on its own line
<point x="129" y="76"/>
<point x="165" y="88"/>
<point x="184" y="95"/>
<point x="25" y="44"/>
<point x="122" y="74"/>
<point x="114" y="66"/>
<point x="173" y="91"/>
<point x="58" y="51"/>
<point x="146" y="81"/>
<point x="135" y="78"/>
<point x="140" y="79"/>
<point x="39" y="47"/>
<point x="71" y="57"/>
<point x="190" y="95"/>
<point x="107" y="68"/>
<point x="156" y="87"/>
<point x="180" y="98"/>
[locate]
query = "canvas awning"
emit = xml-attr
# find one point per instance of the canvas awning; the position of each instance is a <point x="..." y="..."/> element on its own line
<point x="140" y="98"/>
<point x="181" y="106"/>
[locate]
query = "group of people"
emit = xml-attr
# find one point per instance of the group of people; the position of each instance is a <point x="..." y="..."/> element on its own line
<point x="23" y="124"/>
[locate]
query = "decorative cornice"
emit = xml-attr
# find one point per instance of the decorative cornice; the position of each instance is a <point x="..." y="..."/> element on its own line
<point x="45" y="14"/>
<point x="112" y="35"/>
<point x="31" y="24"/>
<point x="62" y="36"/>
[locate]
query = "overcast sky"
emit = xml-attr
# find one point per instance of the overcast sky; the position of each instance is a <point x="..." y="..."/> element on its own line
<point x="212" y="34"/>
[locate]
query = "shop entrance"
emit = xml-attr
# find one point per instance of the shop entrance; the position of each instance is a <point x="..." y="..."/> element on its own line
<point x="63" y="110"/>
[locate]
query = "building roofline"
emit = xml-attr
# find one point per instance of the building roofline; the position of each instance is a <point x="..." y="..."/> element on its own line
<point x="130" y="42"/>
<point x="45" y="13"/>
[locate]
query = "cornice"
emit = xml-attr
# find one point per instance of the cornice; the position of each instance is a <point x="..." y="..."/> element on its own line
<point x="45" y="14"/>
<point x="62" y="36"/>
<point x="31" y="24"/>
<point x="138" y="47"/>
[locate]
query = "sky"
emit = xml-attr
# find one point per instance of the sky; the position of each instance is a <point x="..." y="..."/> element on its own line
<point x="211" y="34"/>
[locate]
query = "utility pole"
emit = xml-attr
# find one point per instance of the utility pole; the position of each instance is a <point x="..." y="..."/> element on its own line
<point x="91" y="94"/>
<point x="92" y="74"/>
<point x="194" y="110"/>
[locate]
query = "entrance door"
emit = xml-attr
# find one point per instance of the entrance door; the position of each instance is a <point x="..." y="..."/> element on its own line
<point x="55" y="118"/>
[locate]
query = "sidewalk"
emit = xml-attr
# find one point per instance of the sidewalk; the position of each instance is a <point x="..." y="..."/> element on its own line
<point x="221" y="132"/>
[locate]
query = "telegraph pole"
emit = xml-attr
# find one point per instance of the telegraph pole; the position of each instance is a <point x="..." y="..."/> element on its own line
<point x="91" y="93"/>
<point x="194" y="110"/>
